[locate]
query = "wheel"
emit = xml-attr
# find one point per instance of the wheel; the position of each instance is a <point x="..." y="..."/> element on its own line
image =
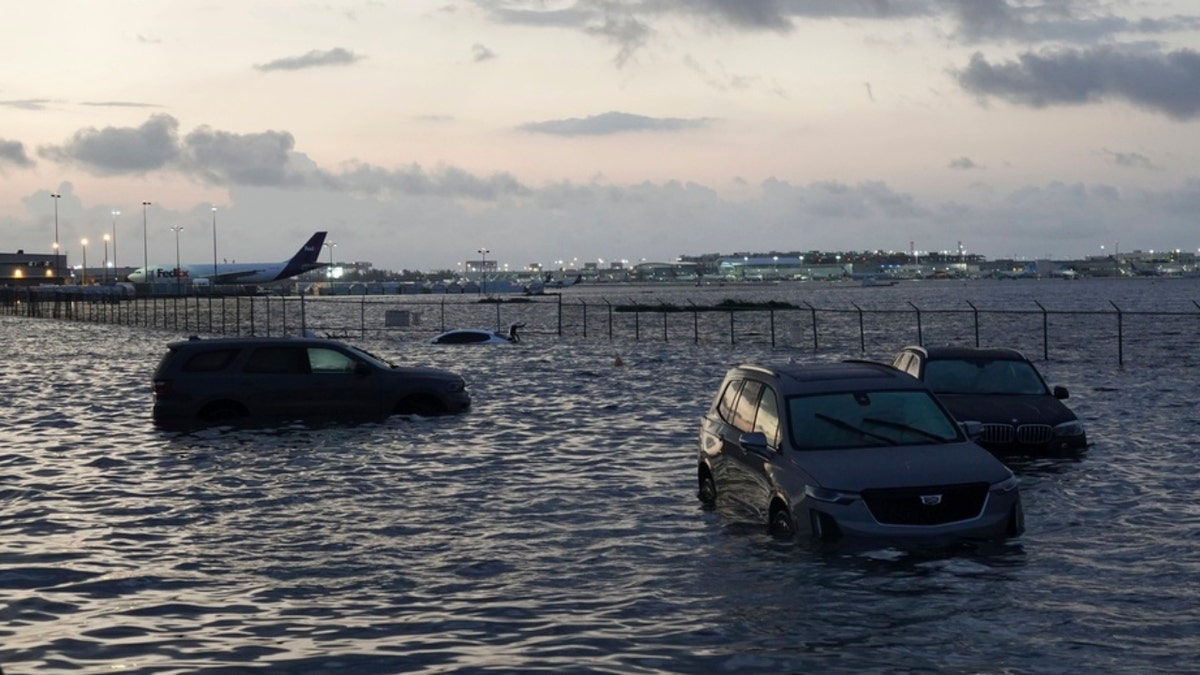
<point x="708" y="488"/>
<point x="780" y="523"/>
<point x="419" y="405"/>
<point x="222" y="411"/>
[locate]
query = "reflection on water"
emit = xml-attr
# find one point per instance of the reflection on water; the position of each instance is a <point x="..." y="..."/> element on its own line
<point x="553" y="528"/>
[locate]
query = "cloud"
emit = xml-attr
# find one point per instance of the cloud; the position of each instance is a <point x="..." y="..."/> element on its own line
<point x="1071" y="21"/>
<point x="481" y="53"/>
<point x="611" y="123"/>
<point x="1164" y="83"/>
<point x="313" y="59"/>
<point x="964" y="163"/>
<point x="1130" y="159"/>
<point x="114" y="150"/>
<point x="27" y="104"/>
<point x="13" y="153"/>
<point x="118" y="104"/>
<point x="221" y="157"/>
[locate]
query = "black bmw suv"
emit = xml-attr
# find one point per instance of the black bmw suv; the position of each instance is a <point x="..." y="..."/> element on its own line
<point x="1003" y="390"/>
<point x="203" y="381"/>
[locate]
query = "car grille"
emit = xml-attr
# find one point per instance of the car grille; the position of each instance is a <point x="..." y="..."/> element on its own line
<point x="1003" y="434"/>
<point x="932" y="505"/>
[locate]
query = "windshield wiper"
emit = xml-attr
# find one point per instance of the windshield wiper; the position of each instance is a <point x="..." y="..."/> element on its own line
<point x="843" y="424"/>
<point x="904" y="427"/>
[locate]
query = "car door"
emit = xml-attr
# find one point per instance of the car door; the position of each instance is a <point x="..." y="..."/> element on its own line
<point x="761" y="463"/>
<point x="745" y="467"/>
<point x="275" y="382"/>
<point x="345" y="384"/>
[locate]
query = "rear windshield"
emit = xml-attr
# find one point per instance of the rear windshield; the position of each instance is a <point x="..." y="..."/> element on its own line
<point x="876" y="418"/>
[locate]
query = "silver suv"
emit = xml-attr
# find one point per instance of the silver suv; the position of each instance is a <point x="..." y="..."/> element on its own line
<point x="203" y="381"/>
<point x="850" y="449"/>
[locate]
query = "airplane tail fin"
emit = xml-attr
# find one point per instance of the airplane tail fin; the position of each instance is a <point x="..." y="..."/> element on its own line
<point x="306" y="258"/>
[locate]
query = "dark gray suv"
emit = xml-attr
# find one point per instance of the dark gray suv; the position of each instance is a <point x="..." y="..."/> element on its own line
<point x="850" y="449"/>
<point x="203" y="381"/>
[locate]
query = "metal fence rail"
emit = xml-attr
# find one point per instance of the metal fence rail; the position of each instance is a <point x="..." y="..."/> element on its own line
<point x="1036" y="330"/>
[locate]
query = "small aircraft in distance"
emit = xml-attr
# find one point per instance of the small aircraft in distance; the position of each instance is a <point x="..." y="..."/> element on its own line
<point x="235" y="273"/>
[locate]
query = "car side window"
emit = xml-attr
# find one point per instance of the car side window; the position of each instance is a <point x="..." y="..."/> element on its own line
<point x="209" y="361"/>
<point x="278" y="361"/>
<point x="767" y="419"/>
<point x="323" y="360"/>
<point x="728" y="399"/>
<point x="743" y="412"/>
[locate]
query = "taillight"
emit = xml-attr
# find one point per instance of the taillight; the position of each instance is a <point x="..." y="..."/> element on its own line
<point x="162" y="387"/>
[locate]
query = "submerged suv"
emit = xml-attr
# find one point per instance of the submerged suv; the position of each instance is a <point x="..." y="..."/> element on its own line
<point x="1001" y="389"/>
<point x="850" y="449"/>
<point x="216" y="380"/>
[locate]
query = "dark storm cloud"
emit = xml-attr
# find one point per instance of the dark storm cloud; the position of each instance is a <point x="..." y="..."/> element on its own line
<point x="1075" y="21"/>
<point x="313" y="59"/>
<point x="964" y="164"/>
<point x="221" y="157"/>
<point x="115" y="150"/>
<point x="610" y="123"/>
<point x="1130" y="159"/>
<point x="12" y="153"/>
<point x="1166" y="83"/>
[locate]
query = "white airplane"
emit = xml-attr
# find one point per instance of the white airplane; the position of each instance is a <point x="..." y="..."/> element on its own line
<point x="235" y="273"/>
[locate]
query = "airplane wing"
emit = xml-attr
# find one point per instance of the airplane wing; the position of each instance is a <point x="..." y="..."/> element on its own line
<point x="233" y="277"/>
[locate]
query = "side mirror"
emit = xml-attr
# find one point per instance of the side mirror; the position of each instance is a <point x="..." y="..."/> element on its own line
<point x="755" y="441"/>
<point x="1060" y="392"/>
<point x="973" y="430"/>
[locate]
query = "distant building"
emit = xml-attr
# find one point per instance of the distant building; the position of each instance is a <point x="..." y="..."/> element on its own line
<point x="32" y="269"/>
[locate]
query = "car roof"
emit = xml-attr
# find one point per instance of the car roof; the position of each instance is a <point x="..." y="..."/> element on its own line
<point x="808" y="378"/>
<point x="219" y="342"/>
<point x="953" y="352"/>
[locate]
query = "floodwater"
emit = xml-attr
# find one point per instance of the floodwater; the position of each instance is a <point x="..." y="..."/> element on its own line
<point x="555" y="528"/>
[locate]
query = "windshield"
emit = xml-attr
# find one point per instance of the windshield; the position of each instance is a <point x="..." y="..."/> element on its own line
<point x="368" y="356"/>
<point x="858" y="419"/>
<point x="983" y="376"/>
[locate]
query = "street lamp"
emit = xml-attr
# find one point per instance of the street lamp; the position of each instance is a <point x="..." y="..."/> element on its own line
<point x="214" y="211"/>
<point x="84" y="243"/>
<point x="483" y="270"/>
<point x="115" y="213"/>
<point x="178" y="276"/>
<point x="56" y="197"/>
<point x="104" y="279"/>
<point x="145" y="249"/>
<point x="329" y="272"/>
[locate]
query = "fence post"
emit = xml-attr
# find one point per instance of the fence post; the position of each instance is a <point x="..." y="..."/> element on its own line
<point x="732" y="335"/>
<point x="862" y="333"/>
<point x="443" y="329"/>
<point x="1120" y="334"/>
<point x="772" y="327"/>
<point x="695" y="323"/>
<point x="610" y="319"/>
<point x="664" y="316"/>
<point x="975" y="310"/>
<point x="362" y="316"/>
<point x="813" y="310"/>
<point x="920" y="333"/>
<point x="637" y="322"/>
<point x="1045" y="332"/>
<point x="583" y="305"/>
<point x="560" y="317"/>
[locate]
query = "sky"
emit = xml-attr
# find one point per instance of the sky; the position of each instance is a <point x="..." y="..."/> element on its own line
<point x="560" y="132"/>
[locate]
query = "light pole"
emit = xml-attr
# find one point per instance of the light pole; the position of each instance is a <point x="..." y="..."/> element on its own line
<point x="178" y="275"/>
<point x="483" y="270"/>
<point x="115" y="213"/>
<point x="83" y="242"/>
<point x="145" y="249"/>
<point x="329" y="273"/>
<point x="104" y="279"/>
<point x="214" y="210"/>
<point x="56" y="197"/>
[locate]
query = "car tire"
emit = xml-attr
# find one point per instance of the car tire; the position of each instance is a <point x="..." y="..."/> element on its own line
<point x="419" y="405"/>
<point x="707" y="492"/>
<point x="780" y="522"/>
<point x="222" y="411"/>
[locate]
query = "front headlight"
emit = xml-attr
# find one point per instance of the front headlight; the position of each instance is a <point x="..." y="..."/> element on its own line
<point x="455" y="386"/>
<point x="821" y="494"/>
<point x="1005" y="486"/>
<point x="1072" y="428"/>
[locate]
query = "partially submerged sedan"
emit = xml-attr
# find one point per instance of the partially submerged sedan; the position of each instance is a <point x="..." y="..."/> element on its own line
<point x="848" y="450"/>
<point x="1001" y="389"/>
<point x="202" y="381"/>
